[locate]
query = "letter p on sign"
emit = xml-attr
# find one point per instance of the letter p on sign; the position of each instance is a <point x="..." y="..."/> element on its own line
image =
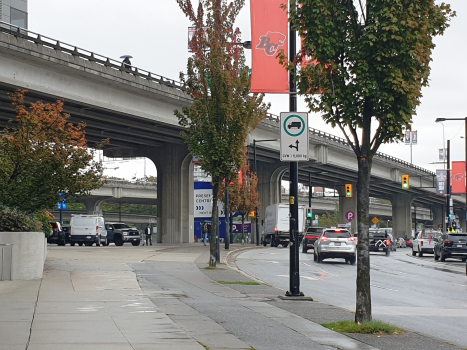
<point x="349" y="215"/>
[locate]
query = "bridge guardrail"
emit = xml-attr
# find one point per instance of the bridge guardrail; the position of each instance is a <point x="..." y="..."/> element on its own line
<point x="319" y="133"/>
<point x="26" y="34"/>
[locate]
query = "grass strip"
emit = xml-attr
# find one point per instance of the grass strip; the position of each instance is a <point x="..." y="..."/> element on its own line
<point x="240" y="282"/>
<point x="374" y="327"/>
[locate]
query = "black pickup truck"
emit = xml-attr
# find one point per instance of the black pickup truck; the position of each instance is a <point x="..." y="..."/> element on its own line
<point x="120" y="233"/>
<point x="380" y="241"/>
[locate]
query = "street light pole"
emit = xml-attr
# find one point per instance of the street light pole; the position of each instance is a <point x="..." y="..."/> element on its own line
<point x="438" y="120"/>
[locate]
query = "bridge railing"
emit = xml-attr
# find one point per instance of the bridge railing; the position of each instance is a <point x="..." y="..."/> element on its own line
<point x="126" y="183"/>
<point x="87" y="55"/>
<point x="343" y="141"/>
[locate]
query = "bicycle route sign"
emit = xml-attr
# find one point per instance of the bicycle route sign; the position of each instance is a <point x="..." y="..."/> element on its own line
<point x="294" y="137"/>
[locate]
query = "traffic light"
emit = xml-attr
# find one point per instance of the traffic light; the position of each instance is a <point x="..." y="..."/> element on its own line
<point x="405" y="182"/>
<point x="309" y="213"/>
<point x="348" y="190"/>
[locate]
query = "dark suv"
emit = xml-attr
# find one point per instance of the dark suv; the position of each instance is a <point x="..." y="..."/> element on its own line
<point x="120" y="233"/>
<point x="58" y="236"/>
<point x="451" y="245"/>
<point x="311" y="235"/>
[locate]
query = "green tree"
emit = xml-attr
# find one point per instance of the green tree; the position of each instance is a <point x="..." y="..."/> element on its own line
<point x="223" y="111"/>
<point x="369" y="65"/>
<point x="43" y="155"/>
<point x="243" y="193"/>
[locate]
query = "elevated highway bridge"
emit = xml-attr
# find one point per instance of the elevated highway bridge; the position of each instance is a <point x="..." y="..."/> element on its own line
<point x="134" y="109"/>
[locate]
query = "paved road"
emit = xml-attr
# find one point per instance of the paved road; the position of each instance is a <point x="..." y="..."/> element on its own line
<point x="418" y="294"/>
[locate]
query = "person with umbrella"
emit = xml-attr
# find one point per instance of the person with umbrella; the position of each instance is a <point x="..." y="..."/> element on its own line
<point x="126" y="61"/>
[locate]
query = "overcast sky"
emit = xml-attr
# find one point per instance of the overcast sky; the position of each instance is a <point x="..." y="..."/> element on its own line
<point x="154" y="32"/>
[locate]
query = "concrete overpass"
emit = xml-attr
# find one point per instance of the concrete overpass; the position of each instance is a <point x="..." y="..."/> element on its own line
<point x="134" y="108"/>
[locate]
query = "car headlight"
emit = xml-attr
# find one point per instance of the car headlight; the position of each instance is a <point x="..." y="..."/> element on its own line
<point x="125" y="233"/>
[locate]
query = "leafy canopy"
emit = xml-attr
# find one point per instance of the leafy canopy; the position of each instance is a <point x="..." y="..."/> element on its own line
<point x="368" y="62"/>
<point x="43" y="155"/>
<point x="223" y="110"/>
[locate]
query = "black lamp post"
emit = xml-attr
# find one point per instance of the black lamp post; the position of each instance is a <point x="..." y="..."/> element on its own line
<point x="449" y="179"/>
<point x="256" y="172"/>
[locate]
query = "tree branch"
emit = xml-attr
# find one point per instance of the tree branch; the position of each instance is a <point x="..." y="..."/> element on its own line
<point x="356" y="146"/>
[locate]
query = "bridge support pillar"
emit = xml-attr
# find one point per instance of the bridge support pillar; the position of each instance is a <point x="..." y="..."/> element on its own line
<point x="346" y="205"/>
<point x="402" y="215"/>
<point x="269" y="189"/>
<point x="439" y="214"/>
<point x="93" y="205"/>
<point x="173" y="188"/>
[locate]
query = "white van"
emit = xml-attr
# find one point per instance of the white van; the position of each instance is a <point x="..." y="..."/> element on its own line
<point x="88" y="229"/>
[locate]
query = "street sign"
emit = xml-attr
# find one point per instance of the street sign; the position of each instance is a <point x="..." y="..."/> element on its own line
<point x="375" y="220"/>
<point x="349" y="215"/>
<point x="294" y="137"/>
<point x="316" y="217"/>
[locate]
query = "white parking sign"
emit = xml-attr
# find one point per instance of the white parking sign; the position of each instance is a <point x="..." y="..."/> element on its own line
<point x="294" y="137"/>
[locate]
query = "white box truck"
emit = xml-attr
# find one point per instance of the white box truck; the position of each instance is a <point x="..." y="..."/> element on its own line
<point x="277" y="223"/>
<point x="87" y="230"/>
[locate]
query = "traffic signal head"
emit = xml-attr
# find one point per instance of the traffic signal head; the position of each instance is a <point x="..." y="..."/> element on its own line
<point x="405" y="182"/>
<point x="348" y="190"/>
<point x="309" y="213"/>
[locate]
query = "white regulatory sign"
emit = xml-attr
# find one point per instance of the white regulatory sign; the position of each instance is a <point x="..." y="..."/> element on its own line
<point x="294" y="137"/>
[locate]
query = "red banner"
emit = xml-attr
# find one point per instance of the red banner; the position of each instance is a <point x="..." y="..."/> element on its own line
<point x="269" y="34"/>
<point x="458" y="177"/>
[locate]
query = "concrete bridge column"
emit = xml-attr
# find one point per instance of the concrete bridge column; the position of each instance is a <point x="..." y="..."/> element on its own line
<point x="173" y="187"/>
<point x="269" y="188"/>
<point x="346" y="205"/>
<point x="402" y="215"/>
<point x="93" y="205"/>
<point x="439" y="214"/>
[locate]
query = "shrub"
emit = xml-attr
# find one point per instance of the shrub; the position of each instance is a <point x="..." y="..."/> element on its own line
<point x="11" y="220"/>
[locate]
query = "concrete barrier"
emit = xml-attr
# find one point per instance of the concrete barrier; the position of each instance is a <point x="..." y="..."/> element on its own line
<point x="28" y="254"/>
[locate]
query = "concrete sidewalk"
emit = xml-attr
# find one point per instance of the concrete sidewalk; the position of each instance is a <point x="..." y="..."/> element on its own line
<point x="161" y="297"/>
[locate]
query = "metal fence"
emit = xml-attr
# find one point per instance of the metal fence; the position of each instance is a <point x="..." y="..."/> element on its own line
<point x="5" y="261"/>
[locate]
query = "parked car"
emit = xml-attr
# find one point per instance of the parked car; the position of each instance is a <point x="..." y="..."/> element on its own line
<point x="409" y="242"/>
<point x="380" y="241"/>
<point x="87" y="230"/>
<point x="451" y="245"/>
<point x="119" y="233"/>
<point x="58" y="235"/>
<point x="424" y="242"/>
<point x="311" y="235"/>
<point x="335" y="243"/>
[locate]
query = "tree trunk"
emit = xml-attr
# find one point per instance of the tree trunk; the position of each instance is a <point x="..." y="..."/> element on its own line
<point x="363" y="303"/>
<point x="214" y="223"/>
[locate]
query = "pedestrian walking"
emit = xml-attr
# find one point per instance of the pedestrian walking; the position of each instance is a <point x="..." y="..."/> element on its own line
<point x="204" y="231"/>
<point x="148" y="233"/>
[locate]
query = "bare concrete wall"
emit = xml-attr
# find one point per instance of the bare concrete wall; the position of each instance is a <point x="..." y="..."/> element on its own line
<point x="29" y="252"/>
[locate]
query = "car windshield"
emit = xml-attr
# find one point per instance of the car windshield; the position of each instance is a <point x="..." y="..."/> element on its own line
<point x="457" y="237"/>
<point x="120" y="226"/>
<point x="314" y="230"/>
<point x="337" y="234"/>
<point x="428" y="235"/>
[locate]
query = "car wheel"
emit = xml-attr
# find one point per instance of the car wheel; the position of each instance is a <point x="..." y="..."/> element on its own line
<point x="435" y="255"/>
<point x="80" y="244"/>
<point x="413" y="252"/>
<point x="388" y="252"/>
<point x="72" y="244"/>
<point x="136" y="243"/>
<point x="285" y="245"/>
<point x="420" y="253"/>
<point x="441" y="255"/>
<point x="118" y="241"/>
<point x="352" y="260"/>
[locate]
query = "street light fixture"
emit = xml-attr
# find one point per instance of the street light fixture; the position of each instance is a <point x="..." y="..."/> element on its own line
<point x="438" y="120"/>
<point x="256" y="172"/>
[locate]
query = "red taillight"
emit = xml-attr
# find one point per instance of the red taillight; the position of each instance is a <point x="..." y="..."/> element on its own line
<point x="388" y="242"/>
<point x="311" y="237"/>
<point x="275" y="229"/>
<point x="421" y="243"/>
<point x="337" y="230"/>
<point x="447" y="241"/>
<point x="352" y="239"/>
<point x="324" y="239"/>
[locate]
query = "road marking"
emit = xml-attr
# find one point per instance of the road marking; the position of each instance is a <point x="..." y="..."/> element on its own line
<point x="274" y="262"/>
<point x="311" y="278"/>
<point x="373" y="285"/>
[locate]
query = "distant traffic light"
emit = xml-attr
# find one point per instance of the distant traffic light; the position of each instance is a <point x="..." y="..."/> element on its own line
<point x="348" y="190"/>
<point x="405" y="182"/>
<point x="309" y="213"/>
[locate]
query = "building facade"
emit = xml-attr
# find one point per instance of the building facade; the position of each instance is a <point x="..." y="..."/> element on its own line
<point x="14" y="12"/>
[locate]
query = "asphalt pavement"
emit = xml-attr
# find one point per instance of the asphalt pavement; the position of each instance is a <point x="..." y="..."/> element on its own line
<point x="165" y="297"/>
